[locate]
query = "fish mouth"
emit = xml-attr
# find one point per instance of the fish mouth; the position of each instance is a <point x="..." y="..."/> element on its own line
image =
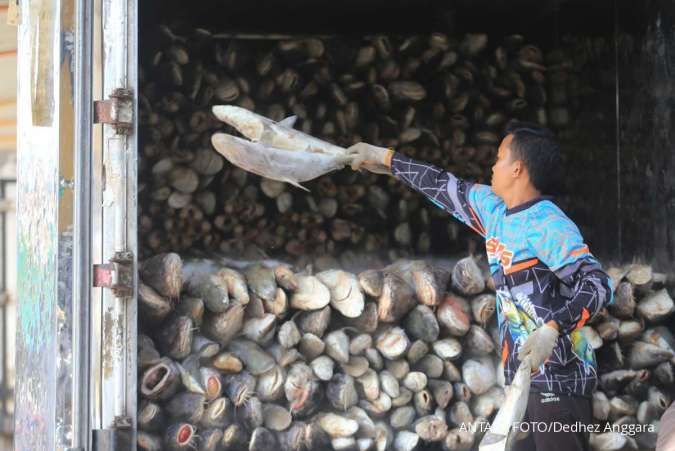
<point x="184" y="434"/>
<point x="156" y="379"/>
<point x="219" y="408"/>
<point x="302" y="396"/>
<point x="148" y="413"/>
<point x="213" y="386"/>
<point x="241" y="119"/>
<point x="243" y="395"/>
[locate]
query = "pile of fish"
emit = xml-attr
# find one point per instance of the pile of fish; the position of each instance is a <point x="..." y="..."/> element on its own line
<point x="260" y="355"/>
<point x="439" y="98"/>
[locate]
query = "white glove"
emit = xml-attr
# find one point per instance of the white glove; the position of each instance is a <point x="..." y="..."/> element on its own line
<point x="539" y="345"/>
<point x="373" y="158"/>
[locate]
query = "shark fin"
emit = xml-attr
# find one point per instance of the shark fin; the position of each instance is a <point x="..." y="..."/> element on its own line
<point x="289" y="121"/>
<point x="296" y="184"/>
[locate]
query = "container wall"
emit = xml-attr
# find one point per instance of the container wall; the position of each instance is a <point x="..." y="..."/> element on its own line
<point x="646" y="79"/>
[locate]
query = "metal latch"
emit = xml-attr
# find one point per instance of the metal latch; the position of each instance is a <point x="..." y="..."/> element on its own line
<point x="117" y="274"/>
<point x="117" y="111"/>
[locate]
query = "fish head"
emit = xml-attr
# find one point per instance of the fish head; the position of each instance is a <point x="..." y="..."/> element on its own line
<point x="246" y="122"/>
<point x="180" y="434"/>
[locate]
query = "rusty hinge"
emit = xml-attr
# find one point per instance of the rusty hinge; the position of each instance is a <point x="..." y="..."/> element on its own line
<point x="117" y="274"/>
<point x="117" y="111"/>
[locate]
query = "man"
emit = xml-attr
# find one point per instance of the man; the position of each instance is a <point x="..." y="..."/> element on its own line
<point x="548" y="283"/>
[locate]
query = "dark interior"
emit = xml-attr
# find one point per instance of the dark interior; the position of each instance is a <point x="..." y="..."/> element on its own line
<point x="619" y="186"/>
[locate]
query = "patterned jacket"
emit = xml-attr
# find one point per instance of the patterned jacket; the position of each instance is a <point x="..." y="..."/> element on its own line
<point x="541" y="267"/>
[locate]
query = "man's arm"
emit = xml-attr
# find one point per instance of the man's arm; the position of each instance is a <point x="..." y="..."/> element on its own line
<point x="469" y="203"/>
<point x="559" y="245"/>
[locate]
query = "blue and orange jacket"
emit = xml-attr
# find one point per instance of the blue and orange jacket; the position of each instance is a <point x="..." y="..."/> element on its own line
<point x="542" y="270"/>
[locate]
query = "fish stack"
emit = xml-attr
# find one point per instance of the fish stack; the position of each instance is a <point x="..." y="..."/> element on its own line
<point x="257" y="355"/>
<point x="438" y="98"/>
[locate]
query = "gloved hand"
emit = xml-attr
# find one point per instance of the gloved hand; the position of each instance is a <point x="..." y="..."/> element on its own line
<point x="373" y="158"/>
<point x="539" y="345"/>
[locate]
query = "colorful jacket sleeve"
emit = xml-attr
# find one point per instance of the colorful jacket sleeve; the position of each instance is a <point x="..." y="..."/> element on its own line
<point x="471" y="203"/>
<point x="559" y="245"/>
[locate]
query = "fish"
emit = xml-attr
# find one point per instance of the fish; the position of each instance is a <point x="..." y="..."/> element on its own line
<point x="424" y="402"/>
<point x="260" y="330"/>
<point x="431" y="365"/>
<point x="152" y="306"/>
<point x="656" y="306"/>
<point x="293" y="438"/>
<point x="311" y="346"/>
<point x="289" y="166"/>
<point x="163" y="272"/>
<point x="442" y="391"/>
<point x="276" y="417"/>
<point x="356" y="366"/>
<point x="203" y="281"/>
<point x="302" y="390"/>
<point x="478" y="342"/>
<point x="239" y="387"/>
<point x="415" y="381"/>
<point x="160" y="381"/>
<point x="211" y="381"/>
<point x="150" y="417"/>
<point x="368" y="385"/>
<point x="644" y="355"/>
<point x="502" y="433"/>
<point x="479" y="374"/>
<point x="447" y="348"/>
<point x="147" y="354"/>
<point x="345" y="292"/>
<point x="148" y="442"/>
<point x="180" y="436"/>
<point x="453" y="315"/>
<point x="337" y="425"/>
<point x="227" y="363"/>
<point x="315" y="322"/>
<point x="389" y="384"/>
<point x="421" y="324"/>
<point x="270" y="385"/>
<point x="203" y="347"/>
<point x="341" y="392"/>
<point x="217" y="414"/>
<point x="311" y="294"/>
<point x="459" y="439"/>
<point x="431" y="428"/>
<point x="262" y="439"/>
<point x="402" y="417"/>
<point x="235" y="438"/>
<point x="186" y="406"/>
<point x="193" y="308"/>
<point x="250" y="414"/>
<point x="223" y="327"/>
<point x="392" y="343"/>
<point x="467" y="277"/>
<point x="337" y="346"/>
<point x="261" y="281"/>
<point x="190" y="374"/>
<point x="175" y="337"/>
<point x="210" y="439"/>
<point x="359" y="344"/>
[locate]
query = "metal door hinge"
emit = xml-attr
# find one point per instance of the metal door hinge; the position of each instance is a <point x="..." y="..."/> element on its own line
<point x="117" y="274"/>
<point x="117" y="110"/>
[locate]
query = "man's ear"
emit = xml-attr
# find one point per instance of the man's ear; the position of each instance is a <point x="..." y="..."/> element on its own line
<point x="518" y="168"/>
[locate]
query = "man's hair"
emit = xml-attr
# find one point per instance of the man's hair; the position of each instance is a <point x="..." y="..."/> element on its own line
<point x="537" y="147"/>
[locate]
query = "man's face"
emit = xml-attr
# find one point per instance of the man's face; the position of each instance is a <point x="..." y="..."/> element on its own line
<point x="504" y="168"/>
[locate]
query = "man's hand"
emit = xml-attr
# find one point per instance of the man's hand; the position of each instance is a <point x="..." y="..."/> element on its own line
<point x="539" y="345"/>
<point x="373" y="158"/>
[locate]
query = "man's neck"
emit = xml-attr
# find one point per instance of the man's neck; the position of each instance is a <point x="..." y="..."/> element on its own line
<point x="520" y="197"/>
